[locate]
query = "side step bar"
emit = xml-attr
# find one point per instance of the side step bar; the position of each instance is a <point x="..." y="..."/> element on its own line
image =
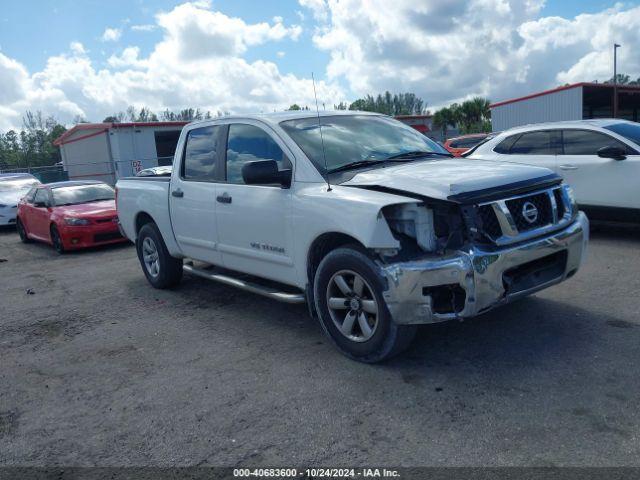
<point x="246" y="286"/>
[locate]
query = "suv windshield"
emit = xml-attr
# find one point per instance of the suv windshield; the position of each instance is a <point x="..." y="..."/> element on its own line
<point x="359" y="140"/>
<point x="627" y="130"/>
<point x="81" y="194"/>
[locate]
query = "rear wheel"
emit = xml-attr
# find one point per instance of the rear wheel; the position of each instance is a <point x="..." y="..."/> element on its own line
<point x="161" y="269"/>
<point x="348" y="295"/>
<point x="56" y="240"/>
<point x="22" y="232"/>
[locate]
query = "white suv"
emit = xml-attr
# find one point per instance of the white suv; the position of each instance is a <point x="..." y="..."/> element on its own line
<point x="600" y="159"/>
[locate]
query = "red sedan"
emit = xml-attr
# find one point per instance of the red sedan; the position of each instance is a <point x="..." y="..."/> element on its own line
<point x="69" y="215"/>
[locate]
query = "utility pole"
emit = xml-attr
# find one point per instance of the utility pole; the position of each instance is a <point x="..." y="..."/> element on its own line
<point x="615" y="79"/>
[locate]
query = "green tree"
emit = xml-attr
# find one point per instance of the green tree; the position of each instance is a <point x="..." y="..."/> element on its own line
<point x="391" y="104"/>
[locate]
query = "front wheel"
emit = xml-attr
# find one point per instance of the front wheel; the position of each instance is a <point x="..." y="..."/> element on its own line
<point x="24" y="238"/>
<point x="56" y="240"/>
<point x="348" y="296"/>
<point x="161" y="269"/>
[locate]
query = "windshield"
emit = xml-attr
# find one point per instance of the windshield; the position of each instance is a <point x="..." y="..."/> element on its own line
<point x="627" y="130"/>
<point x="81" y="194"/>
<point x="356" y="138"/>
<point x="21" y="184"/>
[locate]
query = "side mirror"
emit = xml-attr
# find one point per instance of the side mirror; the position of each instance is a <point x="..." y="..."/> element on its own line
<point x="265" y="172"/>
<point x="39" y="204"/>
<point x="611" y="151"/>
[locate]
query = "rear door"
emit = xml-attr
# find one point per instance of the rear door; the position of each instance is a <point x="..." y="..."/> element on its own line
<point x="192" y="194"/>
<point x="598" y="181"/>
<point x="254" y="221"/>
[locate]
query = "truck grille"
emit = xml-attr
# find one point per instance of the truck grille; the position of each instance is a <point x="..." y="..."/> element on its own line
<point x="520" y="217"/>
<point x="543" y="213"/>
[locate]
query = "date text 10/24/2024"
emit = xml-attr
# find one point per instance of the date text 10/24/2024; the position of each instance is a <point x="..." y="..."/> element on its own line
<point x="315" y="473"/>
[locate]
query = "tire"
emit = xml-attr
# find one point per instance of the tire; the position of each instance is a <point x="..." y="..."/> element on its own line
<point x="161" y="269"/>
<point x="24" y="238"/>
<point x="352" y="312"/>
<point x="56" y="240"/>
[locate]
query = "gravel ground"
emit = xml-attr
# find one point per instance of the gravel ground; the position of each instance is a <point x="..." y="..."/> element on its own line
<point x="98" y="368"/>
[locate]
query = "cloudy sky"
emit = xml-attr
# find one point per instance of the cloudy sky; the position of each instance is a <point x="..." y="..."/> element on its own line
<point x="93" y="58"/>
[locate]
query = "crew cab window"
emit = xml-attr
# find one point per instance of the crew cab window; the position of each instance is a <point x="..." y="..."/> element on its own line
<point x="534" y="143"/>
<point x="200" y="154"/>
<point x="587" y="142"/>
<point x="41" y="196"/>
<point x="248" y="143"/>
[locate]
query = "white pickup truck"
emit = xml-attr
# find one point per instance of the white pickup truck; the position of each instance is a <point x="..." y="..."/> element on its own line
<point x="369" y="222"/>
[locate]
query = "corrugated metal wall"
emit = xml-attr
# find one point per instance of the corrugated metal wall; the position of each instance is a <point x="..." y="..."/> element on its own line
<point x="88" y="158"/>
<point x="553" y="107"/>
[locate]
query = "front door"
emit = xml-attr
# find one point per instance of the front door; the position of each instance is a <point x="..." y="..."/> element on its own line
<point x="596" y="181"/>
<point x="254" y="221"/>
<point x="38" y="218"/>
<point x="192" y="195"/>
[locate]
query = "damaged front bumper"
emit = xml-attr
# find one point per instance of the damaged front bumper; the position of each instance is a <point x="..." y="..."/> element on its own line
<point x="474" y="281"/>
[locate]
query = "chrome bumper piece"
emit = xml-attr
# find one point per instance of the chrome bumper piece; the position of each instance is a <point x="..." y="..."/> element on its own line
<point x="480" y="273"/>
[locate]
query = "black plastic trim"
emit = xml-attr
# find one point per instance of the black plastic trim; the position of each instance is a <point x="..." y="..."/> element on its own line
<point x="502" y="191"/>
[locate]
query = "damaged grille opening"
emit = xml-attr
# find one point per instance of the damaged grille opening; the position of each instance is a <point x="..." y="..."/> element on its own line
<point x="557" y="193"/>
<point x="446" y="298"/>
<point x="535" y="273"/>
<point x="490" y="224"/>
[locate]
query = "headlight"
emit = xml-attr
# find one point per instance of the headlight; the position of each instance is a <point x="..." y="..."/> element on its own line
<point x="415" y="221"/>
<point x="76" y="221"/>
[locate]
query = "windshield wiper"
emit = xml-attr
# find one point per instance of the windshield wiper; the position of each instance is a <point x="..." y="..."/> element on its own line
<point x="359" y="163"/>
<point x="417" y="154"/>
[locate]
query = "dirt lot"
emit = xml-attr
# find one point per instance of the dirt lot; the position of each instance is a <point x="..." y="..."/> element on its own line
<point x="98" y="368"/>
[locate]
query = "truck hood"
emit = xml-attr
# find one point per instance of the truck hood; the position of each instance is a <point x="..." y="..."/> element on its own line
<point x="443" y="179"/>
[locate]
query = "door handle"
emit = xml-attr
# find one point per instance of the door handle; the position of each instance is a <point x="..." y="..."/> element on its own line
<point x="568" y="167"/>
<point x="224" y="198"/>
<point x="177" y="193"/>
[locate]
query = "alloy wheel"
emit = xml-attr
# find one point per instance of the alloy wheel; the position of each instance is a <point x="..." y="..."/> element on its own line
<point x="352" y="305"/>
<point x="151" y="257"/>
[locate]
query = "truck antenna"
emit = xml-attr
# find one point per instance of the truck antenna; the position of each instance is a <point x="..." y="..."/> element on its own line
<point x="324" y="155"/>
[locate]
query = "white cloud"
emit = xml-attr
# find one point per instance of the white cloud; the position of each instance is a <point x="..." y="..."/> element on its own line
<point x="280" y="54"/>
<point x="448" y="50"/>
<point x="318" y="8"/>
<point x="198" y="63"/>
<point x="143" y="28"/>
<point x="111" y="35"/>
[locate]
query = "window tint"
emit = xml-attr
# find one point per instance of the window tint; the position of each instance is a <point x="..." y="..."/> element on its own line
<point x="41" y="196"/>
<point x="630" y="131"/>
<point x="505" y="145"/>
<point x="533" y="143"/>
<point x="201" y="153"/>
<point x="586" y="142"/>
<point x="247" y="144"/>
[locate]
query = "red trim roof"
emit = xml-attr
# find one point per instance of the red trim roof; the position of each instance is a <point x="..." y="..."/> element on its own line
<point x="564" y="87"/>
<point x="103" y="127"/>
